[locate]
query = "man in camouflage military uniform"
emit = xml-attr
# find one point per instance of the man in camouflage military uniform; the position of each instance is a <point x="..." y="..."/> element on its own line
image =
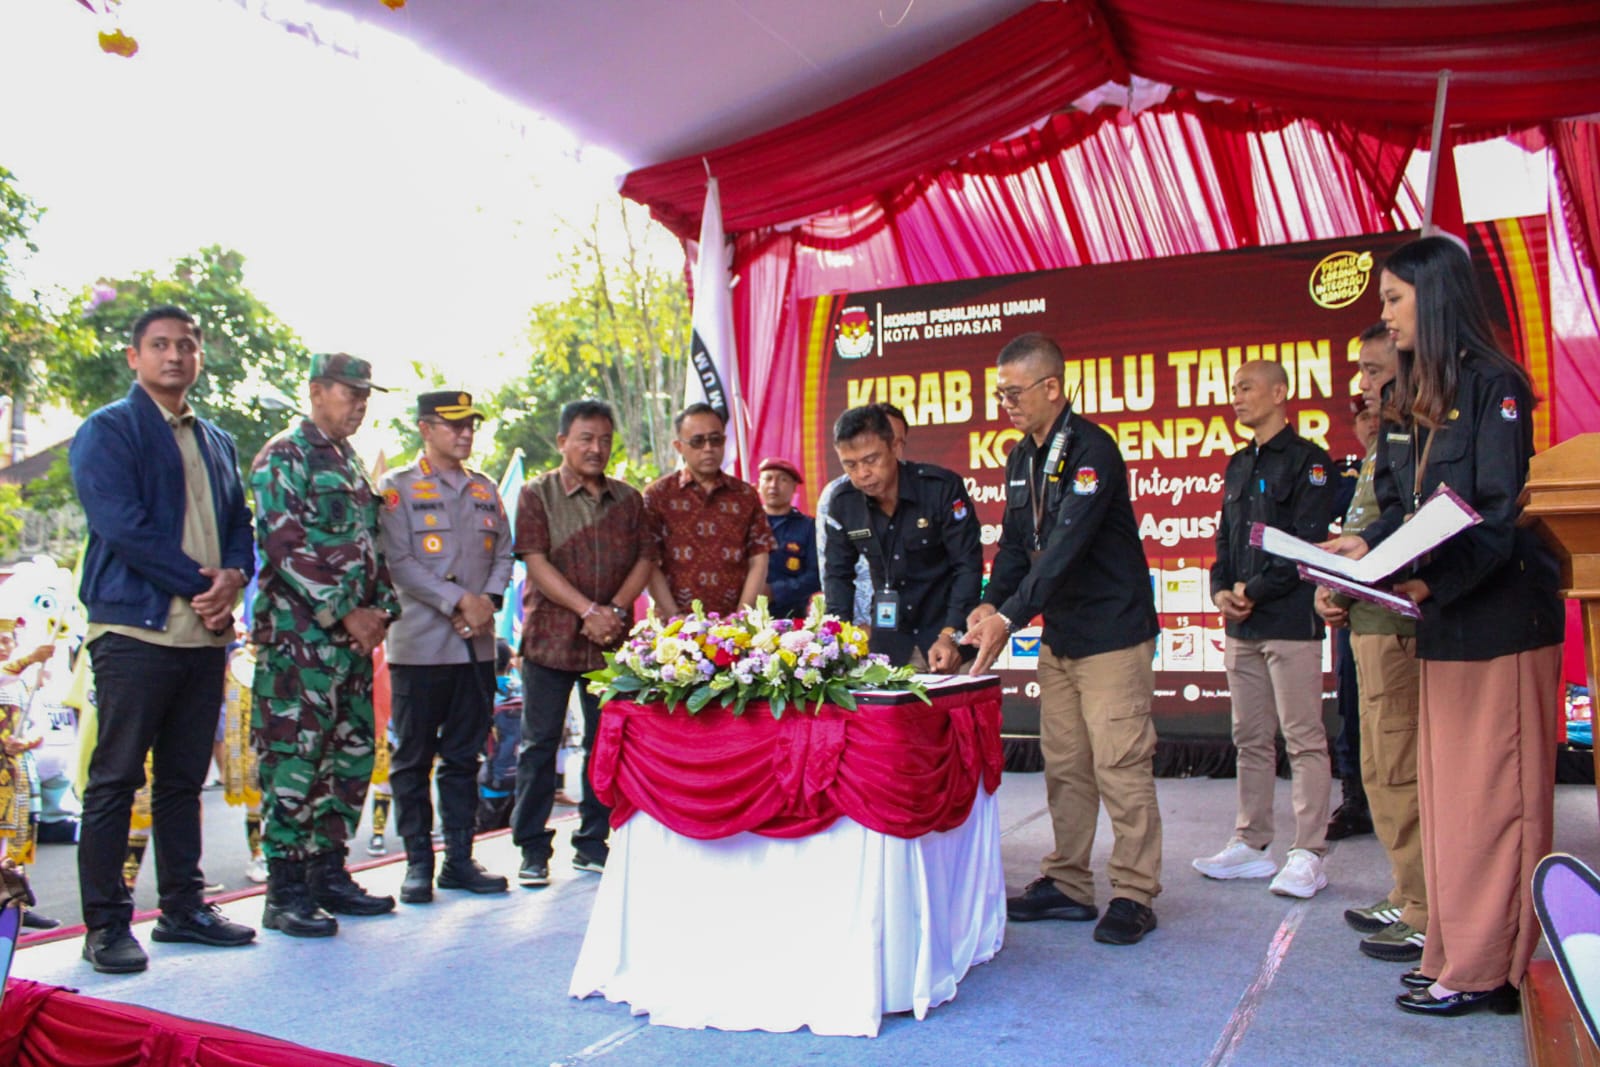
<point x="324" y="604"/>
<point x="447" y="541"/>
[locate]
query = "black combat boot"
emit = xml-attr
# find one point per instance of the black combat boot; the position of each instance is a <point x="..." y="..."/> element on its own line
<point x="334" y="889"/>
<point x="1352" y="817"/>
<point x="418" y="886"/>
<point x="461" y="871"/>
<point x="290" y="909"/>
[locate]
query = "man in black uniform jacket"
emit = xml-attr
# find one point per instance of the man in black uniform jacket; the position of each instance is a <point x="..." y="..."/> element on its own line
<point x="1070" y="548"/>
<point x="915" y="525"/>
<point x="1274" y="650"/>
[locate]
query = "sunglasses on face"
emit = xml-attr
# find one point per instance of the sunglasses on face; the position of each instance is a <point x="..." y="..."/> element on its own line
<point x="702" y="440"/>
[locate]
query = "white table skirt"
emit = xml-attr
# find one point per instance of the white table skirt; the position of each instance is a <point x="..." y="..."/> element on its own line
<point x="828" y="931"/>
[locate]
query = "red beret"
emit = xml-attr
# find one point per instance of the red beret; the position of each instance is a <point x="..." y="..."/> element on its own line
<point x="773" y="463"/>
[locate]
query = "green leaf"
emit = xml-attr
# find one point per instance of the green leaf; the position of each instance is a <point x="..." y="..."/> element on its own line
<point x="699" y="698"/>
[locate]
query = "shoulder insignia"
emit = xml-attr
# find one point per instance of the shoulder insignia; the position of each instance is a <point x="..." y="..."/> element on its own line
<point x="1508" y="409"/>
<point x="1319" y="474"/>
<point x="391" y="499"/>
<point x="958" y="509"/>
<point x="1086" y="481"/>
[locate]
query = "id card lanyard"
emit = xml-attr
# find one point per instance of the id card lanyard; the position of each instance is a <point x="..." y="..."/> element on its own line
<point x="1046" y="495"/>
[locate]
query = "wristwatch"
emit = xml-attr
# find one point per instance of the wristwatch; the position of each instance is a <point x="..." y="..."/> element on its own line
<point x="623" y="615"/>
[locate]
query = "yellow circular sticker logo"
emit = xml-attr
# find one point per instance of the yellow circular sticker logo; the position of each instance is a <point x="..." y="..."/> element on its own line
<point x="1340" y="279"/>
<point x="433" y="544"/>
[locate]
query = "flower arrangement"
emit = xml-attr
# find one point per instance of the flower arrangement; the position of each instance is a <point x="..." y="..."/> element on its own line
<point x="748" y="656"/>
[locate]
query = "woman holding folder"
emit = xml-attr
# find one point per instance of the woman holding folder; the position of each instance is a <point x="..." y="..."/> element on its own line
<point x="1460" y="414"/>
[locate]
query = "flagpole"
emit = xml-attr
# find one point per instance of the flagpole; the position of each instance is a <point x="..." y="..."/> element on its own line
<point x="1435" y="146"/>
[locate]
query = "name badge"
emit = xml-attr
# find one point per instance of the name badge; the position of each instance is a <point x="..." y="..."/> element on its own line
<point x="886" y="610"/>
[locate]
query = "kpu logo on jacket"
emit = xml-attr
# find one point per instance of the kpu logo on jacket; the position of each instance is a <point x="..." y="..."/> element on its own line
<point x="855" y="333"/>
<point x="1508" y="409"/>
<point x="1319" y="474"/>
<point x="1085" y="482"/>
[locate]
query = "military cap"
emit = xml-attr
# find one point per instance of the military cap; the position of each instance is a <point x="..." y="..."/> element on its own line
<point x="448" y="404"/>
<point x="343" y="367"/>
<point x="773" y="463"/>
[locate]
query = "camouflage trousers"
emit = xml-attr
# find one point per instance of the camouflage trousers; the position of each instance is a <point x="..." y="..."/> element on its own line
<point x="311" y="725"/>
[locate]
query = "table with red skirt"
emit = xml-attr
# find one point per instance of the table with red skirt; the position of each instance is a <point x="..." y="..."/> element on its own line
<point x="819" y="870"/>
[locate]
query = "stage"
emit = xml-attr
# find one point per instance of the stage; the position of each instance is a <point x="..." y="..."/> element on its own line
<point x="1234" y="975"/>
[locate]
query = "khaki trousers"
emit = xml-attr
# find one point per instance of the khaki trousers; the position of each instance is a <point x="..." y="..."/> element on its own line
<point x="1098" y="744"/>
<point x="1486" y="745"/>
<point x="1278" y="684"/>
<point x="1386" y="670"/>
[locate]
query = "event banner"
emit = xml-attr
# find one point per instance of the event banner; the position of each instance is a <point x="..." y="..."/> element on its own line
<point x="1151" y="349"/>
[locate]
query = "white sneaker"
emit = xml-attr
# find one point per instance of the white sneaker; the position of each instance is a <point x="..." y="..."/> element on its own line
<point x="1237" y="860"/>
<point x="1301" y="875"/>
<point x="257" y="870"/>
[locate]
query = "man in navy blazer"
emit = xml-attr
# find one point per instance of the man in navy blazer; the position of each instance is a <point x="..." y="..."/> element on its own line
<point x="169" y="551"/>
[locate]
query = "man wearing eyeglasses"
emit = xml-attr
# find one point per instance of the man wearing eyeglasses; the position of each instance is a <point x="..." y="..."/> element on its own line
<point x="1069" y="549"/>
<point x="448" y="542"/>
<point x="915" y="525"/>
<point x="712" y="532"/>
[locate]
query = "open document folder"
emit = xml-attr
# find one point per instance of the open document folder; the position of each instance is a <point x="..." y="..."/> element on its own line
<point x="1443" y="516"/>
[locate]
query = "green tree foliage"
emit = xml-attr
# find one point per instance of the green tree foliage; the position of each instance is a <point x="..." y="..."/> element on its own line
<point x="29" y="334"/>
<point x="249" y="353"/>
<point x="10" y="521"/>
<point x="620" y="335"/>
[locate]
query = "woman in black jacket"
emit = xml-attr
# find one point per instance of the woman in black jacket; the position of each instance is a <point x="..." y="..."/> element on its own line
<point x="1460" y="415"/>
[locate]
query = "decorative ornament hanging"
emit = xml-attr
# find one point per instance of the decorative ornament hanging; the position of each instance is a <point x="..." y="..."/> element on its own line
<point x="118" y="43"/>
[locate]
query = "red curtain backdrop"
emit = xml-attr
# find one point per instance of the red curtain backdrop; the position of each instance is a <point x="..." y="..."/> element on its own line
<point x="1186" y="176"/>
<point x="1512" y="64"/>
<point x="903" y="770"/>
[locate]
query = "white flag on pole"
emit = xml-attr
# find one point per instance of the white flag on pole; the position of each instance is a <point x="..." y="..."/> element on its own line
<point x="713" y="363"/>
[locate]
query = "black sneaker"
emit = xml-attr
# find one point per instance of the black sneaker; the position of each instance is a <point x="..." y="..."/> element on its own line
<point x="580" y="862"/>
<point x="534" y="873"/>
<point x="205" y="925"/>
<point x="1042" y="900"/>
<point x="1126" y="922"/>
<point x="114" y="950"/>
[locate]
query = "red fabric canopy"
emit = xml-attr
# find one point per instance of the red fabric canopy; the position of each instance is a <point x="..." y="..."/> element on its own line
<point x="1372" y="64"/>
<point x="903" y="770"/>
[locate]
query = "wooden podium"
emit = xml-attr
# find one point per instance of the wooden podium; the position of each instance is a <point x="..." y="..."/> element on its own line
<point x="1562" y="502"/>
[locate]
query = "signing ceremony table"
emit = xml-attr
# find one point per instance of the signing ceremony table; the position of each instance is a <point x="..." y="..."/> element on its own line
<point x="816" y="870"/>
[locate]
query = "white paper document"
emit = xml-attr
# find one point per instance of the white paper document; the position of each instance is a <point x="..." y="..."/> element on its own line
<point x="1443" y="516"/>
